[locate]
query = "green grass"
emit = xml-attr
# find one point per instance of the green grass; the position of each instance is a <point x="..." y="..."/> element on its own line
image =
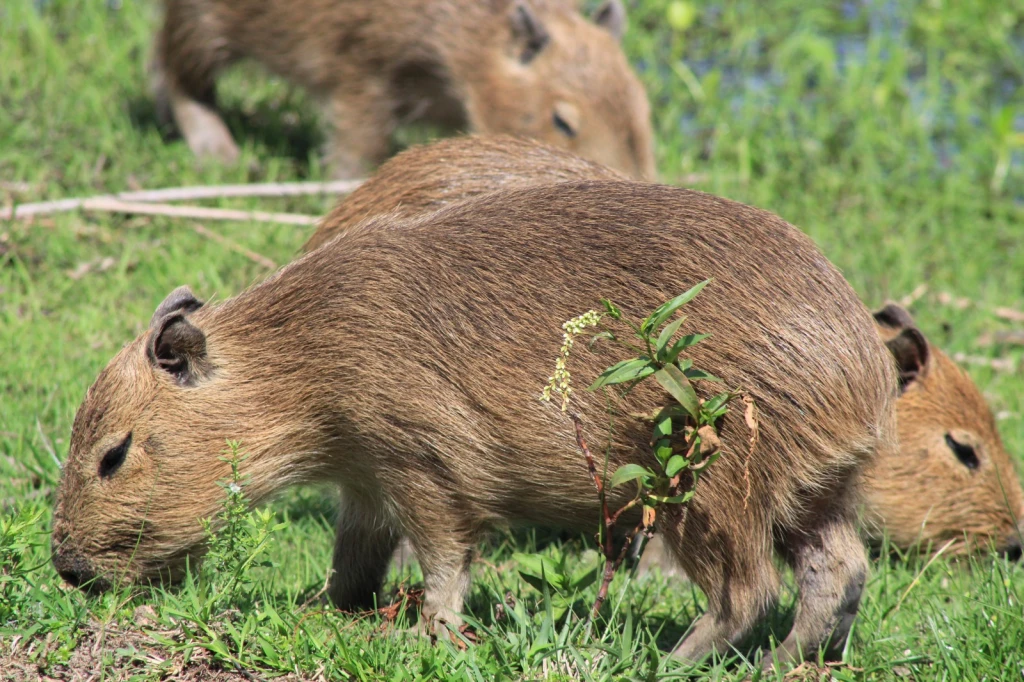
<point x="890" y="131"/>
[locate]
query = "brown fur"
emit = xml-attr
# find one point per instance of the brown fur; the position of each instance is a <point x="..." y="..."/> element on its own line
<point x="921" y="494"/>
<point x="403" y="361"/>
<point x="490" y="66"/>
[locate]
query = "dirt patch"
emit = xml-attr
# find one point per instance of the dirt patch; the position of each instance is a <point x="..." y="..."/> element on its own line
<point x="110" y="654"/>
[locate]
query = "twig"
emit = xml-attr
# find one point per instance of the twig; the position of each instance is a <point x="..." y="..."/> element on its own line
<point x="235" y="246"/>
<point x="606" y="518"/>
<point x="915" y="295"/>
<point x="327" y="582"/>
<point x="274" y="189"/>
<point x="195" y="212"/>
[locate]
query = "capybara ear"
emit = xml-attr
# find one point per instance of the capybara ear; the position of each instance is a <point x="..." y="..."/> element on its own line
<point x="178" y="347"/>
<point x="894" y="317"/>
<point x="181" y="299"/>
<point x="528" y="31"/>
<point x="910" y="349"/>
<point x="611" y="16"/>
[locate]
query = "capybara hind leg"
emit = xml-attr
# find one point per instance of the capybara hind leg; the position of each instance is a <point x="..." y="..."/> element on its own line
<point x="735" y="572"/>
<point x="831" y="568"/>
<point x="362" y="549"/>
<point x="362" y="121"/>
<point x="189" y="53"/>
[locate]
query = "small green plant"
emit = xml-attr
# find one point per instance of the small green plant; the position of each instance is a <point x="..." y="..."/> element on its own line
<point x="684" y="436"/>
<point x="238" y="541"/>
<point x="17" y="541"/>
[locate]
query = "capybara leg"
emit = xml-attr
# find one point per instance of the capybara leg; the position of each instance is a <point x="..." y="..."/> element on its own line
<point x="445" y="563"/>
<point x="189" y="53"/>
<point x="361" y="125"/>
<point x="362" y="550"/>
<point x="831" y="568"/>
<point x="736" y="573"/>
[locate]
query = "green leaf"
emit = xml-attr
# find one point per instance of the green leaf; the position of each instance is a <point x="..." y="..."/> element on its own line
<point x="683" y="342"/>
<point x="663" y="427"/>
<point x="694" y="374"/>
<point x="539" y="570"/>
<point x="629" y="472"/>
<point x="715" y="403"/>
<point x="612" y="310"/>
<point x="675" y="464"/>
<point x="665" y="310"/>
<point x="621" y="372"/>
<point x="663" y="450"/>
<point x="676" y="383"/>
<point x="667" y="333"/>
<point x="584" y="577"/>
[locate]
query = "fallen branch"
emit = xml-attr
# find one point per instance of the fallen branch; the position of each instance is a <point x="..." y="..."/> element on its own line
<point x="274" y="189"/>
<point x="235" y="246"/>
<point x="106" y="205"/>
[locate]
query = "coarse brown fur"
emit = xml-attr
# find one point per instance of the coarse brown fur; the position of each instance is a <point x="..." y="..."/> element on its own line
<point x="926" y="496"/>
<point x="921" y="494"/>
<point x="535" y="68"/>
<point x="403" y="361"/>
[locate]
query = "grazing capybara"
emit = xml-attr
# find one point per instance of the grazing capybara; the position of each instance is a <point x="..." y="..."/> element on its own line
<point x="403" y="361"/>
<point x="535" y="68"/>
<point x="951" y="478"/>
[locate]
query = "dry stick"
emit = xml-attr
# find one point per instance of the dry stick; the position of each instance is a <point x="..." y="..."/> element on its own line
<point x="197" y="212"/>
<point x="235" y="246"/>
<point x="609" y="550"/>
<point x="275" y="189"/>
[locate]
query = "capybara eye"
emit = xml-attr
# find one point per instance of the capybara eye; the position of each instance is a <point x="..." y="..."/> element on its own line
<point x="114" y="458"/>
<point x="965" y="453"/>
<point x="563" y="126"/>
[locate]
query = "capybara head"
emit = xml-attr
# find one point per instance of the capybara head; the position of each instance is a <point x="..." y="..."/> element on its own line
<point x="951" y="479"/>
<point x="565" y="80"/>
<point x="143" y="464"/>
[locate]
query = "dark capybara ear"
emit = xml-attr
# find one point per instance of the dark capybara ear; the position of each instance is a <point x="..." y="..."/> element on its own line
<point x="611" y="16"/>
<point x="894" y="317"/>
<point x="528" y="31"/>
<point x="181" y="299"/>
<point x="178" y="347"/>
<point x="910" y="349"/>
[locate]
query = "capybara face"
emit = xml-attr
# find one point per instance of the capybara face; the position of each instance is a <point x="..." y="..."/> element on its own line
<point x="567" y="83"/>
<point x="952" y="479"/>
<point x="132" y="491"/>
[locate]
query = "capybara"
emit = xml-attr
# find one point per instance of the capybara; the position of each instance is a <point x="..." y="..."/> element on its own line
<point x="403" y="360"/>
<point x="951" y="479"/>
<point x="535" y="68"/>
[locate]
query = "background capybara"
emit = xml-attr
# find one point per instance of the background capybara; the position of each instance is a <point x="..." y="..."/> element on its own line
<point x="951" y="477"/>
<point x="953" y="480"/>
<point x="535" y="68"/>
<point x="402" y="361"/>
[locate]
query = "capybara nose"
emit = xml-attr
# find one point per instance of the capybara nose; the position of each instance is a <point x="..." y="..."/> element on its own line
<point x="72" y="567"/>
<point x="1014" y="548"/>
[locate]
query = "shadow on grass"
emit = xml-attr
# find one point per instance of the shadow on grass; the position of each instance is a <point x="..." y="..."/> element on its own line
<point x="280" y="129"/>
